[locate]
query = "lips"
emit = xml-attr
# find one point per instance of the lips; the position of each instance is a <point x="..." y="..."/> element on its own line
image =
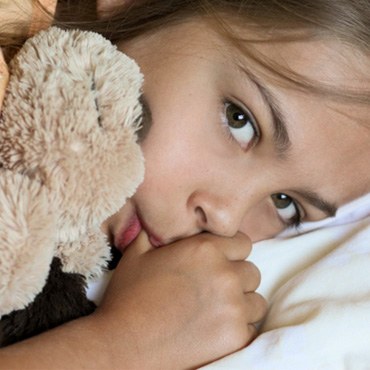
<point x="131" y="231"/>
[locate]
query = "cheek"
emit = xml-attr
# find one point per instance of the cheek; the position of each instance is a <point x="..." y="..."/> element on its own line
<point x="261" y="222"/>
<point x="179" y="146"/>
<point x="168" y="165"/>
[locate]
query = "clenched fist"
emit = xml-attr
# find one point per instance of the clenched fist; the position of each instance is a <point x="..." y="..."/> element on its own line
<point x="184" y="304"/>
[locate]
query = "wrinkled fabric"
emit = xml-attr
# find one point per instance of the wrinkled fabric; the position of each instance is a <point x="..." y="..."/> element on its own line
<point x="318" y="287"/>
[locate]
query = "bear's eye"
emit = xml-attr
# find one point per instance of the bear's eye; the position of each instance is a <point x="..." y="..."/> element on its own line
<point x="93" y="89"/>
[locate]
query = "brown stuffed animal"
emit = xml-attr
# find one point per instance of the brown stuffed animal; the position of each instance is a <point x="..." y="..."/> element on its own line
<point x="68" y="160"/>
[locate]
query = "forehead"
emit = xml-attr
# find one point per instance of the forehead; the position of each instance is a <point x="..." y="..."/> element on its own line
<point x="328" y="63"/>
<point x="330" y="151"/>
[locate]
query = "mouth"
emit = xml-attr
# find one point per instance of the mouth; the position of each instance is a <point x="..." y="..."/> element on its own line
<point x="131" y="230"/>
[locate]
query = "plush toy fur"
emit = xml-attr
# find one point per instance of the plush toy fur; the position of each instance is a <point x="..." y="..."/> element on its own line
<point x="68" y="160"/>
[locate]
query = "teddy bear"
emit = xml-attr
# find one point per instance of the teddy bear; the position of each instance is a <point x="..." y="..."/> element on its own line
<point x="69" y="159"/>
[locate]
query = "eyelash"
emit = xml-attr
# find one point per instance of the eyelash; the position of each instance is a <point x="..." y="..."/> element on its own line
<point x="295" y="221"/>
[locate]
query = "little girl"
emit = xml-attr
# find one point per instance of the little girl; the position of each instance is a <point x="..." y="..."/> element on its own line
<point x="256" y="119"/>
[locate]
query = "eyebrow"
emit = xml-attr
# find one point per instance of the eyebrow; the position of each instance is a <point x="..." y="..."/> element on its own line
<point x="330" y="209"/>
<point x="282" y="141"/>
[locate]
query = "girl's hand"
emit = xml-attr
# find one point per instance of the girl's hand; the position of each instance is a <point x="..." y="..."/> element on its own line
<point x="184" y="304"/>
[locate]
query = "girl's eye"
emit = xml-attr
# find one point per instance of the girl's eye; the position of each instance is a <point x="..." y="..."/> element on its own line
<point x="241" y="125"/>
<point x="287" y="209"/>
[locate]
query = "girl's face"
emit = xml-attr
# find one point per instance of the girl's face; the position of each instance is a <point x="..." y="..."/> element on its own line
<point x="229" y="150"/>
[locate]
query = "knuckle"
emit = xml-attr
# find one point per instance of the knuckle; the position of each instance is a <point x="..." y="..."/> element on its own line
<point x="251" y="333"/>
<point x="245" y="240"/>
<point x="255" y="273"/>
<point x="235" y="336"/>
<point x="234" y="329"/>
<point x="206" y="248"/>
<point x="231" y="312"/>
<point x="236" y="313"/>
<point x="262" y="304"/>
<point x="229" y="280"/>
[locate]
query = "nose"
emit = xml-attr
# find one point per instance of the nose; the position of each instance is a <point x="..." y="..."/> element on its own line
<point x="216" y="215"/>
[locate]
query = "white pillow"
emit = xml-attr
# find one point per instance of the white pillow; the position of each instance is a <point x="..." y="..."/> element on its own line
<point x="318" y="286"/>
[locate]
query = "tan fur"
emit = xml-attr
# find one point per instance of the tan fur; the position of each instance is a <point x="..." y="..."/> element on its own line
<point x="68" y="132"/>
<point x="27" y="240"/>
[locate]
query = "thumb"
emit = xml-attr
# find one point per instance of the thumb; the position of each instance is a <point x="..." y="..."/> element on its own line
<point x="139" y="246"/>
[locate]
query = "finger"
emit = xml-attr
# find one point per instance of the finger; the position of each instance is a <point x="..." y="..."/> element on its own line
<point x="139" y="246"/>
<point x="235" y="248"/>
<point x="256" y="307"/>
<point x="249" y="274"/>
<point x="252" y="333"/>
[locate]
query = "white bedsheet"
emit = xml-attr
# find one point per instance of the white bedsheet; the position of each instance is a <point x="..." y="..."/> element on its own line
<point x="318" y="286"/>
